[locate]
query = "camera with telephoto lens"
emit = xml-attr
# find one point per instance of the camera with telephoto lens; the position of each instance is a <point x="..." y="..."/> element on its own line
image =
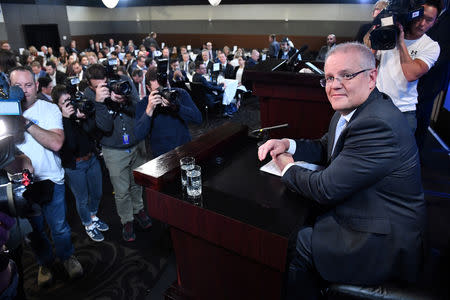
<point x="170" y="94"/>
<point x="385" y="34"/>
<point x="114" y="82"/>
<point x="77" y="98"/>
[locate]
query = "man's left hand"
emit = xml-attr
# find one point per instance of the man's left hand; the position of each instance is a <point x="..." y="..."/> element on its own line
<point x="118" y="98"/>
<point x="283" y="160"/>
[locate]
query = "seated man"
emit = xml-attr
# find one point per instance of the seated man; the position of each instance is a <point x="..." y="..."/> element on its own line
<point x="331" y="41"/>
<point x="226" y="69"/>
<point x="286" y="50"/>
<point x="187" y="65"/>
<point x="212" y="98"/>
<point x="373" y="227"/>
<point x="254" y="59"/>
<point x="177" y="77"/>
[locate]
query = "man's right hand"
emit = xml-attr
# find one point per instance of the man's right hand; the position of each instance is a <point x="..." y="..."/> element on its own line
<point x="153" y="99"/>
<point x="67" y="110"/>
<point x="101" y="93"/>
<point x="274" y="147"/>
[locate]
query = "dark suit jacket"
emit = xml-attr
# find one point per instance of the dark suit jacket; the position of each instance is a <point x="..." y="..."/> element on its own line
<point x="274" y="48"/>
<point x="191" y="66"/>
<point x="291" y="52"/>
<point x="227" y="71"/>
<point x="373" y="230"/>
<point x="60" y="77"/>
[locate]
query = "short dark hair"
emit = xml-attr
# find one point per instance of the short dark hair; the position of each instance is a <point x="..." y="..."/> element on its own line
<point x="22" y="69"/>
<point x="136" y="72"/>
<point x="95" y="71"/>
<point x="148" y="61"/>
<point x="44" y="82"/>
<point x="57" y="92"/>
<point x="197" y="64"/>
<point x="51" y="64"/>
<point x="273" y="36"/>
<point x="436" y="4"/>
<point x="35" y="63"/>
<point x="151" y="75"/>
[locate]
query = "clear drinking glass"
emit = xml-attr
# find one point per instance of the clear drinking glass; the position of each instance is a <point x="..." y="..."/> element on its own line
<point x="194" y="182"/>
<point x="186" y="163"/>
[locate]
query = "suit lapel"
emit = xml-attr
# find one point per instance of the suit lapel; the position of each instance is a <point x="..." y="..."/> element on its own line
<point x="331" y="131"/>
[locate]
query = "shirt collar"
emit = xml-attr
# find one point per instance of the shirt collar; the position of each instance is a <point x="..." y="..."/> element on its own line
<point x="348" y="116"/>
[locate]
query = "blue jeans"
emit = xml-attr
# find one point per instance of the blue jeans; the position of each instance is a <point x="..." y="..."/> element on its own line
<point x="55" y="216"/>
<point x="85" y="182"/>
<point x="412" y="119"/>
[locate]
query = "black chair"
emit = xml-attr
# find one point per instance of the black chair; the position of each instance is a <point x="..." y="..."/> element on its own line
<point x="432" y="285"/>
<point x="198" y="94"/>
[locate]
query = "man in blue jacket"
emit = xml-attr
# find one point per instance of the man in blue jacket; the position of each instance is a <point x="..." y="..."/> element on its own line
<point x="374" y="225"/>
<point x="162" y="120"/>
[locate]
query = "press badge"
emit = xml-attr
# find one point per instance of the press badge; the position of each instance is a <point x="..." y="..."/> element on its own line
<point x="125" y="139"/>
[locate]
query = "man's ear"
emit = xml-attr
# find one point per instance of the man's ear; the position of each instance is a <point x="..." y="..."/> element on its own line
<point x="373" y="78"/>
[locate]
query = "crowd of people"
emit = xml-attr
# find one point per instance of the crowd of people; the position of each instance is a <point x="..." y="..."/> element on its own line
<point x="74" y="107"/>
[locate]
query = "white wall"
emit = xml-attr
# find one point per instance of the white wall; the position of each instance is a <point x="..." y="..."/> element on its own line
<point x="270" y="12"/>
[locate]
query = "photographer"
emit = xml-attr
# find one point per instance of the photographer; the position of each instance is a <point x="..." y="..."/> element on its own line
<point x="122" y="151"/>
<point x="414" y="54"/>
<point x="44" y="136"/>
<point x="164" y="120"/>
<point x="78" y="158"/>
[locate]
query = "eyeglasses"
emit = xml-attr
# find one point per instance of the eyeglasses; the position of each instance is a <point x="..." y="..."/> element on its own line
<point x="346" y="77"/>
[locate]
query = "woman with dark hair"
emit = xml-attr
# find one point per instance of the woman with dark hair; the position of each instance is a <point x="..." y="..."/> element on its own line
<point x="82" y="168"/>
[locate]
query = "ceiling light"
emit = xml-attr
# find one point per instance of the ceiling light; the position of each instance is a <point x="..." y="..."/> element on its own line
<point x="214" y="2"/>
<point x="110" y="3"/>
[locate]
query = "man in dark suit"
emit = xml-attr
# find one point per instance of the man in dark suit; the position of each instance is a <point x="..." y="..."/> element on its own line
<point x="177" y="77"/>
<point x="286" y="50"/>
<point x="45" y="89"/>
<point x="212" y="98"/>
<point x="225" y="68"/>
<point x="57" y="77"/>
<point x="370" y="188"/>
<point x="187" y="65"/>
<point x="274" y="46"/>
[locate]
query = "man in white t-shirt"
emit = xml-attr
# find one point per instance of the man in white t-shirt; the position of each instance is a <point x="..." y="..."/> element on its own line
<point x="44" y="136"/>
<point x="401" y="67"/>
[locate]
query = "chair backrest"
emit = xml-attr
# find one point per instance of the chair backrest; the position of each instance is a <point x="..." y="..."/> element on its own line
<point x="198" y="93"/>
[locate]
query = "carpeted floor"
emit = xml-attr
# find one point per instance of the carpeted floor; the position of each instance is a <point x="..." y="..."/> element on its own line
<point x="114" y="269"/>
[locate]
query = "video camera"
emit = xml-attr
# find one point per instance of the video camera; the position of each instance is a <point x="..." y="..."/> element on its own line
<point x="77" y="98"/>
<point x="12" y="200"/>
<point x="384" y="36"/>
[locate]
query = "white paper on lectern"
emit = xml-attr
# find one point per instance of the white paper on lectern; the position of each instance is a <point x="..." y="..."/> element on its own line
<point x="272" y="168"/>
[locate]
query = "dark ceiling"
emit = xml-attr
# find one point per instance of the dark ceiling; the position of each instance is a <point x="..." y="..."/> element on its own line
<point x="124" y="3"/>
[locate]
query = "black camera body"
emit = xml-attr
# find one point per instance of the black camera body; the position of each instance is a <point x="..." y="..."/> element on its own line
<point x="77" y="98"/>
<point x="385" y="35"/>
<point x="114" y="82"/>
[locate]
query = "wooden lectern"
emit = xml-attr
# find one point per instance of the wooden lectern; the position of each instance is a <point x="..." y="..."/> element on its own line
<point x="232" y="243"/>
<point x="291" y="97"/>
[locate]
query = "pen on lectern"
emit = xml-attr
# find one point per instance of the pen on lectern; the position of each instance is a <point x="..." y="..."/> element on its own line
<point x="265" y="129"/>
<point x="264" y="132"/>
